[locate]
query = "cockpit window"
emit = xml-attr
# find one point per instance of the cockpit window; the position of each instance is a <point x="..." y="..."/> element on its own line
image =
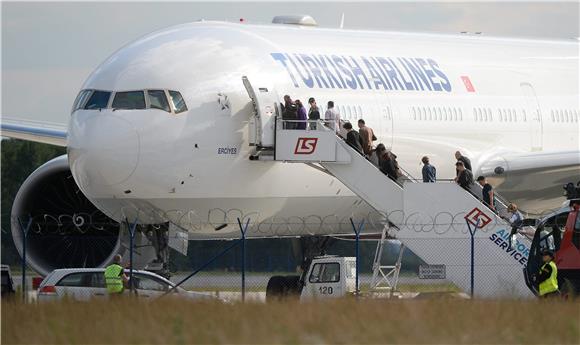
<point x="157" y="100"/>
<point x="81" y="99"/>
<point x="129" y="100"/>
<point x="178" y="102"/>
<point x="98" y="100"/>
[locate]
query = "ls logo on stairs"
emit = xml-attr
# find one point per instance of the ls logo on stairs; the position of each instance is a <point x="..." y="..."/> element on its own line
<point x="478" y="218"/>
<point x="305" y="146"/>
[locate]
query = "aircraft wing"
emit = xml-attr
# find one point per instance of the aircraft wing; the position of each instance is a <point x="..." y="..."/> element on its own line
<point x="532" y="162"/>
<point x="518" y="176"/>
<point x="37" y="131"/>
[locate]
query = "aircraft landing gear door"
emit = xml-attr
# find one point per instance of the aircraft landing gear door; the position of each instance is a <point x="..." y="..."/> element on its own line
<point x="263" y="121"/>
<point x="534" y="114"/>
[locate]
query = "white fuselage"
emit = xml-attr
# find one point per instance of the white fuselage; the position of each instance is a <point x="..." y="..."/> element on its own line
<point x="486" y="97"/>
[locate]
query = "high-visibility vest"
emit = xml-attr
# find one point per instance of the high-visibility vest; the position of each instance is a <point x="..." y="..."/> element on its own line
<point x="113" y="278"/>
<point x="550" y="284"/>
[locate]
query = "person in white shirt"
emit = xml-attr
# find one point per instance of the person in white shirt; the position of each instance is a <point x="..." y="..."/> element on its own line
<point x="516" y="221"/>
<point x="332" y="117"/>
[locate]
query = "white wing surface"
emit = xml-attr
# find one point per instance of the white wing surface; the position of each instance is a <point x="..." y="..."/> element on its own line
<point x="37" y="131"/>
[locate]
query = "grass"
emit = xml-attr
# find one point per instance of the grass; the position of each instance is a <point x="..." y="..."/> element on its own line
<point x="344" y="321"/>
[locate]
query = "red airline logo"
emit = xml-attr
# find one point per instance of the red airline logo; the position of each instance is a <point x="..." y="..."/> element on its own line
<point x="467" y="82"/>
<point x="477" y="216"/>
<point x="305" y="146"/>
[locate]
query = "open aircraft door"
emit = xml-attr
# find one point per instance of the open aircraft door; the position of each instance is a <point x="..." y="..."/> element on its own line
<point x="266" y="107"/>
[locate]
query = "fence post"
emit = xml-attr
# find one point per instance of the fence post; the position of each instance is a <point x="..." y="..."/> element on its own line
<point x="243" y="230"/>
<point x="202" y="267"/>
<point x="472" y="234"/>
<point x="357" y="237"/>
<point x="24" y="236"/>
<point x="132" y="228"/>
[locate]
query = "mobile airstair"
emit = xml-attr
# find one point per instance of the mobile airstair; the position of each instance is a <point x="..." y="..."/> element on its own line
<point x="433" y="220"/>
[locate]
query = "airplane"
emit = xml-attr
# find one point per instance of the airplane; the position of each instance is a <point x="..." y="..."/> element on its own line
<point x="160" y="131"/>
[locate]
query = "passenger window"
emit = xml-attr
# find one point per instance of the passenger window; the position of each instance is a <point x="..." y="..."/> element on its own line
<point x="98" y="100"/>
<point x="77" y="280"/>
<point x="143" y="282"/>
<point x="325" y="273"/>
<point x="178" y="102"/>
<point x="81" y="99"/>
<point x="98" y="280"/>
<point x="157" y="100"/>
<point x="129" y="100"/>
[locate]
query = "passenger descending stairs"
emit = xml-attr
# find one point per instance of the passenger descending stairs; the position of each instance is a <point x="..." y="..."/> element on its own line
<point x="429" y="218"/>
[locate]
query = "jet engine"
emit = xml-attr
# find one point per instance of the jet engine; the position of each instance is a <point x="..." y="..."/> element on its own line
<point x="66" y="229"/>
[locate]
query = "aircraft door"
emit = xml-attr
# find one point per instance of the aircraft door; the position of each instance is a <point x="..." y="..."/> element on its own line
<point x="534" y="114"/>
<point x="266" y="108"/>
<point x="386" y="128"/>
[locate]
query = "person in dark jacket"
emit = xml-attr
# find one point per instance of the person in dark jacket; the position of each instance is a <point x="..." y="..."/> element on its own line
<point x="290" y="113"/>
<point x="466" y="162"/>
<point x="486" y="192"/>
<point x="465" y="177"/>
<point x="398" y="171"/>
<point x="353" y="138"/>
<point x="301" y="115"/>
<point x="429" y="172"/>
<point x="313" y="113"/>
<point x="377" y="155"/>
<point x="388" y="165"/>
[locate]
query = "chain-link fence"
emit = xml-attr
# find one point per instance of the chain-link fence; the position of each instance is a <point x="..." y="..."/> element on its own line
<point x="252" y="269"/>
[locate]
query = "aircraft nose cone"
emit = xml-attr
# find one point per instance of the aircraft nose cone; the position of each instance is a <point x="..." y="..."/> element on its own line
<point x="103" y="150"/>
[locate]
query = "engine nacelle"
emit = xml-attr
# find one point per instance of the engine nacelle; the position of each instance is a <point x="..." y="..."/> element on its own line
<point x="66" y="229"/>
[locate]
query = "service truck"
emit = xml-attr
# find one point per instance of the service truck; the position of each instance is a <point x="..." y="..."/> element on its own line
<point x="327" y="276"/>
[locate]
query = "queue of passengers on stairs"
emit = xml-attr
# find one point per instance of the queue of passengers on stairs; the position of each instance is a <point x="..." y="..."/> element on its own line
<point x="295" y="116"/>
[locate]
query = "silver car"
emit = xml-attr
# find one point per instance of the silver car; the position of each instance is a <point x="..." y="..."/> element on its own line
<point x="83" y="284"/>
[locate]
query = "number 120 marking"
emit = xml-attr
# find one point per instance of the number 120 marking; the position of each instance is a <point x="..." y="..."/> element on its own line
<point x="325" y="290"/>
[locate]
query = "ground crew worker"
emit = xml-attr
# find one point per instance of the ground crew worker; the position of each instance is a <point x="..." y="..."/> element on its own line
<point x="548" y="276"/>
<point x="115" y="277"/>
